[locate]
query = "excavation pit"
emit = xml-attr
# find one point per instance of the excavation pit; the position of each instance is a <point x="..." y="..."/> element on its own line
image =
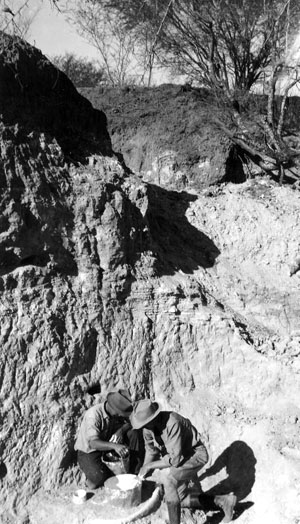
<point x="101" y="506"/>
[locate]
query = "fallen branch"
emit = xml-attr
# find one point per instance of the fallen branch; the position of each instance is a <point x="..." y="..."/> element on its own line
<point x="264" y="161"/>
<point x="292" y="174"/>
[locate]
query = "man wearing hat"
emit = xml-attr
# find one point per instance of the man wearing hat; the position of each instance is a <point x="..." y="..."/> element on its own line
<point x="99" y="425"/>
<point x="173" y="445"/>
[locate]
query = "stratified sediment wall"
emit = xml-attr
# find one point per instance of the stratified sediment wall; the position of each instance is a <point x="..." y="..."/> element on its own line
<point x="176" y="296"/>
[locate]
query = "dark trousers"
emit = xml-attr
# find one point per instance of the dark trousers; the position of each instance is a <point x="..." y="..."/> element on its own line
<point x="97" y="472"/>
<point x="92" y="466"/>
<point x="135" y="441"/>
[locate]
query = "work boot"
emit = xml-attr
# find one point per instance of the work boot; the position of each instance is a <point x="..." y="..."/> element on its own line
<point x="227" y="504"/>
<point x="174" y="511"/>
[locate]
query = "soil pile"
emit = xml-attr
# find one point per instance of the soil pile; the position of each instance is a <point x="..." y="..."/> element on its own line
<point x="170" y="134"/>
<point x="37" y="96"/>
<point x="188" y="297"/>
<point x="165" y="135"/>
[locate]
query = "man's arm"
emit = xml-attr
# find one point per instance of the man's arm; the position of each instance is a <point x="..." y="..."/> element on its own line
<point x="118" y="436"/>
<point x="151" y="450"/>
<point x="173" y="443"/>
<point x="102" y="445"/>
<point x="94" y="429"/>
<point x="152" y="453"/>
<point x="155" y="464"/>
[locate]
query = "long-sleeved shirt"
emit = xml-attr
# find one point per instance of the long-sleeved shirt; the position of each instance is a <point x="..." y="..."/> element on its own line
<point x="174" y="439"/>
<point x="96" y="424"/>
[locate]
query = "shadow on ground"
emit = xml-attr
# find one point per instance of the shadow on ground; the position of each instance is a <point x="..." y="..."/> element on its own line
<point x="218" y="515"/>
<point x="178" y="244"/>
<point x="239" y="461"/>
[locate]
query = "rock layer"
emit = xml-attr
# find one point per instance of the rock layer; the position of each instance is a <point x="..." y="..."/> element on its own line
<point x="191" y="299"/>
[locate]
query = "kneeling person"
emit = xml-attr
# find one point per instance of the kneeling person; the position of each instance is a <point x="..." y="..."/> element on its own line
<point x="100" y="424"/>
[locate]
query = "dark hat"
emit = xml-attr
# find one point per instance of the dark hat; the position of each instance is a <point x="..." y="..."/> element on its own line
<point x="143" y="412"/>
<point x="120" y="401"/>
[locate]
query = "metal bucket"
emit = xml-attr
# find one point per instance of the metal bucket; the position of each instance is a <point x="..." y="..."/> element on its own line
<point x="116" y="464"/>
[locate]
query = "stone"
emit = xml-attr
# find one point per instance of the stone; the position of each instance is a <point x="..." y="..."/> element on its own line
<point x="92" y="259"/>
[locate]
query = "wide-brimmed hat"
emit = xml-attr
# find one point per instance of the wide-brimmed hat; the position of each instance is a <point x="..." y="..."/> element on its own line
<point x="143" y="412"/>
<point x="120" y="401"/>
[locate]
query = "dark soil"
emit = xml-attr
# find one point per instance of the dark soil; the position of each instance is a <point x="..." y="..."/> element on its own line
<point x="168" y="134"/>
<point x="37" y="97"/>
<point x="165" y="125"/>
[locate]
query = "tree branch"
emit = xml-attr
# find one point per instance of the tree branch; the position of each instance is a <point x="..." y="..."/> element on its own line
<point x="266" y="162"/>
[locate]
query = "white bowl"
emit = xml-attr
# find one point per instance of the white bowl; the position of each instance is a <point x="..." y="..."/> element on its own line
<point x="79" y="496"/>
<point x="128" y="482"/>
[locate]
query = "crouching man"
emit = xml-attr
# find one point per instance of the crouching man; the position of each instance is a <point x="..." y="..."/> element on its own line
<point x="173" y="445"/>
<point x="105" y="427"/>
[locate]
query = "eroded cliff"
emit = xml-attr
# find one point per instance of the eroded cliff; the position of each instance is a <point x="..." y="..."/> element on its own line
<point x="189" y="298"/>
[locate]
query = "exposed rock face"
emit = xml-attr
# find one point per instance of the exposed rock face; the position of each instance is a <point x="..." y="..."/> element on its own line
<point x="192" y="299"/>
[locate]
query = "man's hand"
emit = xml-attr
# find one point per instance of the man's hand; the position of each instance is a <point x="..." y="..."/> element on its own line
<point x="122" y="450"/>
<point x="117" y="438"/>
<point x="144" y="471"/>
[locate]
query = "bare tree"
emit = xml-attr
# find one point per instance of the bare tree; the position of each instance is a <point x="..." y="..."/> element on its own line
<point x="17" y="16"/>
<point x="275" y="154"/>
<point x="261" y="134"/>
<point x="103" y="29"/>
<point x="227" y="44"/>
<point x="144" y="19"/>
<point x="82" y="72"/>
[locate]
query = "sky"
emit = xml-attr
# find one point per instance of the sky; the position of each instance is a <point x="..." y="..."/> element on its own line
<point x="53" y="35"/>
<point x="50" y="32"/>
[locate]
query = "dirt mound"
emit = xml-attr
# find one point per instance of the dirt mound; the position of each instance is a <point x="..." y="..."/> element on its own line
<point x="171" y="137"/>
<point x="36" y="95"/>
<point x="165" y="134"/>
